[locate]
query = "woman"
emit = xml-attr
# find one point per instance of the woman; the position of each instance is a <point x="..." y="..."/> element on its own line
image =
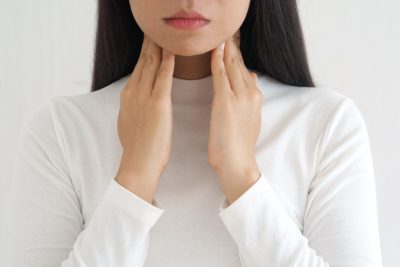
<point x="252" y="164"/>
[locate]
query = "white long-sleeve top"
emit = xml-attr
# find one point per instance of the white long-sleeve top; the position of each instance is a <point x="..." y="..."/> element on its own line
<point x="314" y="204"/>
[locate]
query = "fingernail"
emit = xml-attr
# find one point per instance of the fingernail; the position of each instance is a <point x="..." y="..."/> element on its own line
<point x="222" y="46"/>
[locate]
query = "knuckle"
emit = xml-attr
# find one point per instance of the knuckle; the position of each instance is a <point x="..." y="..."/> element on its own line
<point x="124" y="93"/>
<point x="252" y="97"/>
<point x="142" y="56"/>
<point x="163" y="72"/>
<point x="233" y="60"/>
<point x="149" y="59"/>
<point x="257" y="96"/>
<point x="221" y="72"/>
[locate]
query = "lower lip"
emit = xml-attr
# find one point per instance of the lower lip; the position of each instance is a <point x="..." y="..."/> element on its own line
<point x="187" y="23"/>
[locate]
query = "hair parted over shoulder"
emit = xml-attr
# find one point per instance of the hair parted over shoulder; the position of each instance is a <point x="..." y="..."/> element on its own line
<point x="271" y="43"/>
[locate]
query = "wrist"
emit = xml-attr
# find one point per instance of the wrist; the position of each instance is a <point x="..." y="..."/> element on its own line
<point x="238" y="170"/>
<point x="142" y="186"/>
<point x="235" y="182"/>
<point x="132" y="166"/>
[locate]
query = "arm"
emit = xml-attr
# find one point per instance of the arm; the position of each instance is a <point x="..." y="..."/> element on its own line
<point x="47" y="227"/>
<point x="340" y="221"/>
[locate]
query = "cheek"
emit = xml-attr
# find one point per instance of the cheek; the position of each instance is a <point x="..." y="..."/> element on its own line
<point x="228" y="25"/>
<point x="143" y="13"/>
<point x="231" y="16"/>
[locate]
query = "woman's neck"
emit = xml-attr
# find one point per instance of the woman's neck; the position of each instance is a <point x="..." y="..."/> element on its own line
<point x="193" y="67"/>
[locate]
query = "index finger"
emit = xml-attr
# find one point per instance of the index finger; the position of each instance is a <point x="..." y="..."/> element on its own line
<point x="220" y="78"/>
<point x="163" y="83"/>
<point x="137" y="72"/>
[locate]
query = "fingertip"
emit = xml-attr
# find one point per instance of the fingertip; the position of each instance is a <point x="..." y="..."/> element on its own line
<point x="237" y="34"/>
<point x="221" y="47"/>
<point x="217" y="52"/>
<point x="255" y="76"/>
<point x="236" y="39"/>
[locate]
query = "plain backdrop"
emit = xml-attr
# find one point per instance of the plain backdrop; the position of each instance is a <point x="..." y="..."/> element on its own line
<point x="46" y="49"/>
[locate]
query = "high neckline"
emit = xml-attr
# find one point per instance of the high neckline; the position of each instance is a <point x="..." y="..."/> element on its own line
<point x="197" y="91"/>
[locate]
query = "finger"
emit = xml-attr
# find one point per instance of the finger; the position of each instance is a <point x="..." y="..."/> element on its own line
<point x="247" y="76"/>
<point x="220" y="79"/>
<point x="150" y="68"/>
<point x="163" y="83"/>
<point x="246" y="73"/>
<point x="255" y="76"/>
<point x="236" y="38"/>
<point x="233" y="67"/>
<point x="137" y="72"/>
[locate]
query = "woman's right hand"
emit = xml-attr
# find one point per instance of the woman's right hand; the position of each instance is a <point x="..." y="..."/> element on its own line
<point x="145" y="121"/>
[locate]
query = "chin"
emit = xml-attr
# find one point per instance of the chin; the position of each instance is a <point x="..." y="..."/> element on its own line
<point x="188" y="51"/>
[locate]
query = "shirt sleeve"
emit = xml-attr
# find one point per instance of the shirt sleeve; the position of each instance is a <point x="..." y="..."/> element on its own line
<point x="340" y="220"/>
<point x="47" y="226"/>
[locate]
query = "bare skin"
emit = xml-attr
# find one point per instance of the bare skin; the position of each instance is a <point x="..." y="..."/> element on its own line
<point x="145" y="121"/>
<point x="194" y="67"/>
<point x="192" y="49"/>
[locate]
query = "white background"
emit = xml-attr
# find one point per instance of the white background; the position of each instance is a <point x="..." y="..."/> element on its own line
<point x="46" y="49"/>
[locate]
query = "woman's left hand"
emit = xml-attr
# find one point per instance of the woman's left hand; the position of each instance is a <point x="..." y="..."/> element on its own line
<point x="235" y="120"/>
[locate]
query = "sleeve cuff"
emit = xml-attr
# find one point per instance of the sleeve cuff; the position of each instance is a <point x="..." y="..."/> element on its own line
<point x="255" y="193"/>
<point x="141" y="210"/>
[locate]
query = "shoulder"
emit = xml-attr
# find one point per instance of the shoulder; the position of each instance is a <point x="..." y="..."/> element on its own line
<point x="323" y="103"/>
<point x="276" y="90"/>
<point x="320" y="115"/>
<point x="89" y="107"/>
<point x="91" y="101"/>
<point x="70" y="113"/>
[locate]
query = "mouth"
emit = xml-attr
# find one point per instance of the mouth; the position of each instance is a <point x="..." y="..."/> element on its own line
<point x="186" y="20"/>
<point x="186" y="23"/>
<point x="183" y="14"/>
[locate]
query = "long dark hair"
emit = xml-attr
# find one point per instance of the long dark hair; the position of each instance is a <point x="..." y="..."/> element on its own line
<point x="271" y="42"/>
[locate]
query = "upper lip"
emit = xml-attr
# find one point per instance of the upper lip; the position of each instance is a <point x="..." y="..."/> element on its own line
<point x="186" y="14"/>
